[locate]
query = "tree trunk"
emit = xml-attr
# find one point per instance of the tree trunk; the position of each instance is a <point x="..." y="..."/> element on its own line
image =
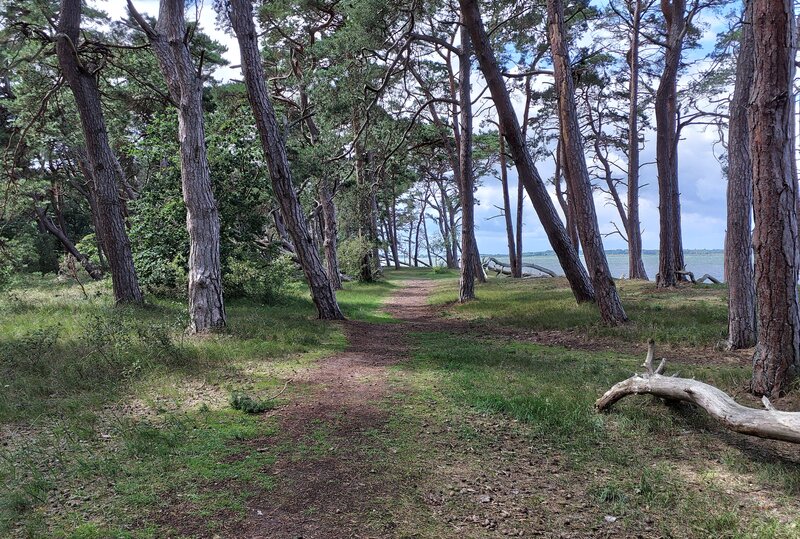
<point x="565" y="198"/>
<point x="329" y="233"/>
<point x="59" y="233"/>
<point x="466" y="288"/>
<point x="670" y="249"/>
<point x="322" y="293"/>
<point x="206" y="304"/>
<point x="577" y="174"/>
<point x="393" y="229"/>
<point x="777" y="355"/>
<point x="738" y="239"/>
<point x="80" y="74"/>
<point x="556" y="233"/>
<point x="512" y="250"/>
<point x="635" y="263"/>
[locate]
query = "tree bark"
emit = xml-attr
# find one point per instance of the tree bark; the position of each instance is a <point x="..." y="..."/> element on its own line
<point x="777" y="355"/>
<point x="556" y="233"/>
<point x="565" y="198"/>
<point x="105" y="169"/>
<point x="466" y="288"/>
<point x="635" y="263"/>
<point x="512" y="250"/>
<point x="577" y="174"/>
<point x="206" y="303"/>
<point x="329" y="233"/>
<point x="738" y="239"/>
<point x="322" y="293"/>
<point x="670" y="244"/>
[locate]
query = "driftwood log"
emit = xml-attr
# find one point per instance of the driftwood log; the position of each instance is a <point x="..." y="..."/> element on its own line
<point x="700" y="280"/>
<point x="690" y="275"/>
<point x="768" y="423"/>
<point x="493" y="264"/>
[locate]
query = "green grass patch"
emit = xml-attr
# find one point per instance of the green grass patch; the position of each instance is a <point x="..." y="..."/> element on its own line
<point x="688" y="316"/>
<point x="109" y="412"/>
<point x="633" y="459"/>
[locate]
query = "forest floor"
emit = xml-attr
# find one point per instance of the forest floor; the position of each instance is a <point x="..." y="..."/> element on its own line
<point x="418" y="417"/>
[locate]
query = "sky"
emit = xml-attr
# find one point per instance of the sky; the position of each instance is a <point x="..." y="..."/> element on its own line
<point x="703" y="187"/>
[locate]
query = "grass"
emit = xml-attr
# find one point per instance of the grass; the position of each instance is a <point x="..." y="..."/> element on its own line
<point x="109" y="412"/>
<point x="632" y="462"/>
<point x="113" y="417"/>
<point x="690" y="316"/>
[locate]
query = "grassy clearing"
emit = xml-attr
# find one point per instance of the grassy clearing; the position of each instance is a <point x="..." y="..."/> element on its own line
<point x="690" y="316"/>
<point x="106" y="412"/>
<point x="644" y="462"/>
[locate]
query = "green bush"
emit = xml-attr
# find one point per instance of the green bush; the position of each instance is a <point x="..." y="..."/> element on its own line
<point x="351" y="253"/>
<point x="245" y="277"/>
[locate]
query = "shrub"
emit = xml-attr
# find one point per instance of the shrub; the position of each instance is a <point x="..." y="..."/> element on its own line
<point x="351" y="253"/>
<point x="245" y="277"/>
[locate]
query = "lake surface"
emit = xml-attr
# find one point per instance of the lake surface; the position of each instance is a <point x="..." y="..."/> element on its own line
<point x="699" y="263"/>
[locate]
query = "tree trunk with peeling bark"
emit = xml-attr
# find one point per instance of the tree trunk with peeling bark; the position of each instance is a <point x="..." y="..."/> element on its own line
<point x="105" y="168"/>
<point x="168" y="41"/>
<point x="322" y="293"/>
<point x="577" y="174"/>
<point x="556" y="233"/>
<point x="777" y="354"/>
<point x="738" y="239"/>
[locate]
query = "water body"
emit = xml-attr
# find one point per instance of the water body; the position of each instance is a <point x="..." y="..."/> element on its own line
<point x="698" y="262"/>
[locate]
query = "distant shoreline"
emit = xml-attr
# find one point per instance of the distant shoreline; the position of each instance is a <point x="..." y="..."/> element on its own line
<point x="619" y="252"/>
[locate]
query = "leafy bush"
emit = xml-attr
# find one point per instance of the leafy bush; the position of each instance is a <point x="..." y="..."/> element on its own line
<point x="351" y="253"/>
<point x="246" y="277"/>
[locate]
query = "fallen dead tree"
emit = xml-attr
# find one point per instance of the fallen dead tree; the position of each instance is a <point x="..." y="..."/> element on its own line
<point x="690" y="275"/>
<point x="768" y="423"/>
<point x="493" y="264"/>
<point x="702" y="279"/>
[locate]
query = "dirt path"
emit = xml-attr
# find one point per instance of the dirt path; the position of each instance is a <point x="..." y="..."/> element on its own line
<point x="341" y="484"/>
<point x="329" y="492"/>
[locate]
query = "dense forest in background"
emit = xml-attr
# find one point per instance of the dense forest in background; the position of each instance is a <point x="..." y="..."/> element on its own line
<point x="358" y="132"/>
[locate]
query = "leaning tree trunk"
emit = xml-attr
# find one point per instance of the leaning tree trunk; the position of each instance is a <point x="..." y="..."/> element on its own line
<point x="81" y="75"/>
<point x="777" y="355"/>
<point x="466" y="288"/>
<point x="554" y="228"/>
<point x="206" y="304"/>
<point x="59" y="233"/>
<point x="577" y="174"/>
<point x="738" y="239"/>
<point x="322" y="293"/>
<point x="635" y="263"/>
<point x="667" y="145"/>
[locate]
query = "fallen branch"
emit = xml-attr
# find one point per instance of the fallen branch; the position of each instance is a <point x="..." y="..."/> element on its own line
<point x="768" y="423"/>
<point x="700" y="280"/>
<point x="492" y="264"/>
